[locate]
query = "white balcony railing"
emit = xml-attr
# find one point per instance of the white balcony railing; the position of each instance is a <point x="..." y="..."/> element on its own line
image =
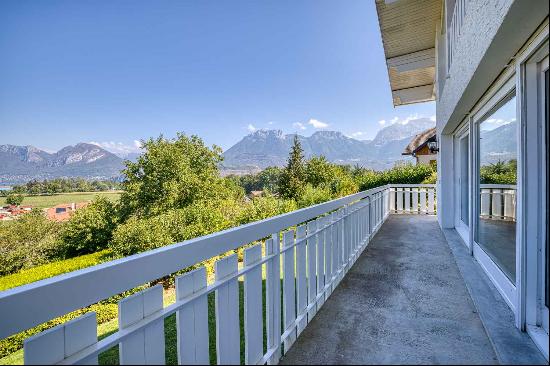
<point x="310" y="249"/>
<point x="412" y="198"/>
<point x="498" y="201"/>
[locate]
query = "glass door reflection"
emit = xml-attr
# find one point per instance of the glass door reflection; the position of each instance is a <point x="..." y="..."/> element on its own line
<point x="496" y="229"/>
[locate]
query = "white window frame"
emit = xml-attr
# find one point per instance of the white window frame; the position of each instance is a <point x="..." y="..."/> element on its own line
<point x="531" y="202"/>
<point x="463" y="230"/>
<point x="493" y="100"/>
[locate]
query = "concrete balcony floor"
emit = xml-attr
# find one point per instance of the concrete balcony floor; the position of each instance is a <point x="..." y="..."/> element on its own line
<point x="404" y="301"/>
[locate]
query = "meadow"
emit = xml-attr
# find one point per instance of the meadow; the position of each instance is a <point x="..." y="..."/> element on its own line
<point x="45" y="201"/>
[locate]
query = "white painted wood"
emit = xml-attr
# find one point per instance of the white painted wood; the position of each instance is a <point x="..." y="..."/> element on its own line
<point x="399" y="192"/>
<point x="227" y="313"/>
<point x="414" y="208"/>
<point x="311" y="270"/>
<point x="46" y="348"/>
<point x="404" y="186"/>
<point x="407" y="193"/>
<point x="289" y="290"/>
<point x="328" y="254"/>
<point x="496" y="204"/>
<point x="301" y="279"/>
<point x="392" y="199"/>
<point x="485" y="202"/>
<point x="423" y="208"/>
<point x="253" y="320"/>
<point x="337" y="256"/>
<point x="273" y="294"/>
<point x="56" y="344"/>
<point x="68" y="292"/>
<point x="431" y="201"/>
<point x="192" y="319"/>
<point x="509" y="204"/>
<point x="345" y="240"/>
<point x="146" y="346"/>
<point x="321" y="261"/>
<point x="81" y="333"/>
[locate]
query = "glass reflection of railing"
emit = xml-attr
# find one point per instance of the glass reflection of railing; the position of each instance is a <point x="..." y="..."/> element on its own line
<point x="498" y="201"/>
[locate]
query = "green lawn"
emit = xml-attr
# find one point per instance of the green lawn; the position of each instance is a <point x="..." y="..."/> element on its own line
<point x="56" y="199"/>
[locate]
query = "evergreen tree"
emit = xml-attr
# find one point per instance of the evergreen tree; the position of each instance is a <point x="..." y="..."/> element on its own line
<point x="292" y="180"/>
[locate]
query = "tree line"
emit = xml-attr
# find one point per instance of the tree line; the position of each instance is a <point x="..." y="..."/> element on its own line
<point x="62" y="185"/>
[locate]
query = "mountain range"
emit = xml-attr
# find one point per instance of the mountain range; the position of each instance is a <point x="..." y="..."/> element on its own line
<point x="265" y="148"/>
<point x="22" y="163"/>
<point x="255" y="151"/>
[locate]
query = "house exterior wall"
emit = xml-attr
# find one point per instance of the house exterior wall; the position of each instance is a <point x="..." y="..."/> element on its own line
<point x="486" y="65"/>
<point x="481" y="22"/>
<point x="424" y="156"/>
<point x="492" y="32"/>
<point x="425" y="159"/>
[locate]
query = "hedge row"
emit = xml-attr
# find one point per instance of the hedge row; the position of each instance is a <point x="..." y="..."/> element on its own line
<point x="52" y="269"/>
<point x="105" y="310"/>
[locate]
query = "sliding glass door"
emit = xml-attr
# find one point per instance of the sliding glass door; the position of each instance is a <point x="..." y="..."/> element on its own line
<point x="497" y="175"/>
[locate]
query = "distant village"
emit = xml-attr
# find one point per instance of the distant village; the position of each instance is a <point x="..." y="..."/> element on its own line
<point x="60" y="212"/>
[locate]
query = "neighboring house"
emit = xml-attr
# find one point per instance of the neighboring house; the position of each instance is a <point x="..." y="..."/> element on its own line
<point x="485" y="63"/>
<point x="418" y="147"/>
<point x="254" y="194"/>
<point x="11" y="212"/>
<point x="63" y="211"/>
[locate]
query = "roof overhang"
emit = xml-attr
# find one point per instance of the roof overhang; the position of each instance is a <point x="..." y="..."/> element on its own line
<point x="408" y="29"/>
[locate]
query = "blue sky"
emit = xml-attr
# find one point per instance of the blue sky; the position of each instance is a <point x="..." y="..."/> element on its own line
<point x="114" y="72"/>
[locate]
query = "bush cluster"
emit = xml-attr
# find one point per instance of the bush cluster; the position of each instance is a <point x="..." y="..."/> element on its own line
<point x="499" y="173"/>
<point x="399" y="174"/>
<point x="27" y="242"/>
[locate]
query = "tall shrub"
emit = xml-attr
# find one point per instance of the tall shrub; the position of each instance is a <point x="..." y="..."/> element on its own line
<point x="291" y="182"/>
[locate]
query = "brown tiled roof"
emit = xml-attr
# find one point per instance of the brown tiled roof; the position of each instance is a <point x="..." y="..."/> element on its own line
<point x="418" y="141"/>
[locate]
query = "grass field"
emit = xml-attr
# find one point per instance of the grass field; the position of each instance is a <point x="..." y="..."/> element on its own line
<point x="56" y="199"/>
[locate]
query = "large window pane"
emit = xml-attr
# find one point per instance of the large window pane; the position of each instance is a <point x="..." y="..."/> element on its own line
<point x="496" y="232"/>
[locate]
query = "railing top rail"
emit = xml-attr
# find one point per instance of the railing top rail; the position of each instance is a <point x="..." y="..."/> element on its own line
<point x="29" y="305"/>
<point x="412" y="185"/>
<point x="497" y="186"/>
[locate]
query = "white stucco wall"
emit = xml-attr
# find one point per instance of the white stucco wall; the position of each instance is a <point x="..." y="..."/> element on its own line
<point x="481" y="23"/>
<point x="425" y="159"/>
<point x="492" y="33"/>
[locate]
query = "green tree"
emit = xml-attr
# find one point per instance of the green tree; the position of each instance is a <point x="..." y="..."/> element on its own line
<point x="90" y="229"/>
<point x="499" y="173"/>
<point x="173" y="173"/>
<point x="318" y="171"/>
<point x="312" y="196"/>
<point x="14" y="199"/>
<point x="269" y="178"/>
<point x="292" y="180"/>
<point x="28" y="241"/>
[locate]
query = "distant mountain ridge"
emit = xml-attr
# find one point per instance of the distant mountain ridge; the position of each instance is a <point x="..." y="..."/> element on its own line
<point x="23" y="163"/>
<point x="258" y="150"/>
<point x="264" y="148"/>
